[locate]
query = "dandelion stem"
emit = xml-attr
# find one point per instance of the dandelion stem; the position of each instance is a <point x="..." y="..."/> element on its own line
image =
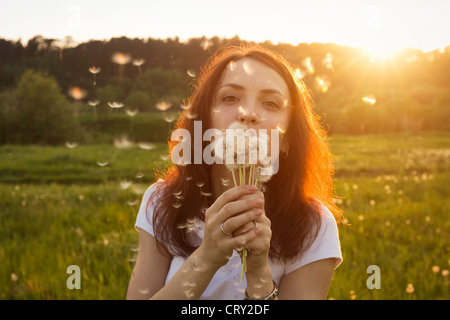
<point x="234" y="178"/>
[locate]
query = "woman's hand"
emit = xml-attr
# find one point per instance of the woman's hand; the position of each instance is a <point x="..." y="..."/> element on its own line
<point x="258" y="248"/>
<point x="231" y="211"/>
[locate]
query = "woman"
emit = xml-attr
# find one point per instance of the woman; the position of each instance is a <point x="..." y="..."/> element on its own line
<point x="289" y="233"/>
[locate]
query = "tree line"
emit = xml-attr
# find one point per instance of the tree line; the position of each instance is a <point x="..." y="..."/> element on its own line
<point x="353" y="91"/>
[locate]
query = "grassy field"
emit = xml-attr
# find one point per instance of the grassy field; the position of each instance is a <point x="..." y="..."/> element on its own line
<point x="62" y="207"/>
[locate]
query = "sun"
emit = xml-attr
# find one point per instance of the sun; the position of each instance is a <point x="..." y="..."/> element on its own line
<point x="383" y="50"/>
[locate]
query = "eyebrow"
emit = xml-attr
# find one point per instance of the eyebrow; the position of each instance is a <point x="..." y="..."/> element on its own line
<point x="239" y="87"/>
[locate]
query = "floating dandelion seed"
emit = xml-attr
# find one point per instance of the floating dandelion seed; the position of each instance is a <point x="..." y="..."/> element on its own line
<point x="170" y="118"/>
<point x="435" y="269"/>
<point x="93" y="103"/>
<point x="77" y="93"/>
<point x="146" y="145"/>
<point x="121" y="58"/>
<point x="122" y="143"/>
<point x="445" y="273"/>
<point x="308" y="65"/>
<point x="94" y="71"/>
<point x="138" y="63"/>
<point x="115" y="105"/>
<point x="190" y="115"/>
<point x="102" y="163"/>
<point x="14" y="277"/>
<point x="125" y="184"/>
<point x="298" y="74"/>
<point x="369" y="99"/>
<point x="191" y="73"/>
<point x="131" y="113"/>
<point x="132" y="203"/>
<point x="163" y="106"/>
<point x="139" y="175"/>
<point x="328" y="61"/>
<point x="323" y="84"/>
<point x="185" y="106"/>
<point x="280" y="129"/>
<point x="205" y="44"/>
<point x="71" y="145"/>
<point x="409" y="288"/>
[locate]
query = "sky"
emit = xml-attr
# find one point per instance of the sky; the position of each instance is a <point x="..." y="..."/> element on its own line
<point x="380" y="26"/>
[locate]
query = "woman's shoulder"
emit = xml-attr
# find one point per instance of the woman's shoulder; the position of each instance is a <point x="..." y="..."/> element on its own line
<point x="152" y="190"/>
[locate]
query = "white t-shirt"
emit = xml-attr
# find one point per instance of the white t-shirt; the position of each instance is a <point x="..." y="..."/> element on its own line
<point x="226" y="284"/>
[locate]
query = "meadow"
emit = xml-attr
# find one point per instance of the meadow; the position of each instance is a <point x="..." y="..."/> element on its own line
<point x="62" y="206"/>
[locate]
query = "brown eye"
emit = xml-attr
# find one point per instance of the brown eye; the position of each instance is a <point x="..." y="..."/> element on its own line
<point x="230" y="99"/>
<point x="272" y="104"/>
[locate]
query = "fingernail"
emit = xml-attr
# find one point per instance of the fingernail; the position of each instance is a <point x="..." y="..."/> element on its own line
<point x="257" y="212"/>
<point x="251" y="188"/>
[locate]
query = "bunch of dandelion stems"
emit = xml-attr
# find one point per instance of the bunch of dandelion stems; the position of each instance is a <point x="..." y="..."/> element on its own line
<point x="252" y="180"/>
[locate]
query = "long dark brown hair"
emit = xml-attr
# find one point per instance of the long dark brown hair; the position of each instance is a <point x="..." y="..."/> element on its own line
<point x="292" y="196"/>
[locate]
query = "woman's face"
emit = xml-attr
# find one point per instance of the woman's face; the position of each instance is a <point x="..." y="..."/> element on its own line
<point x="252" y="94"/>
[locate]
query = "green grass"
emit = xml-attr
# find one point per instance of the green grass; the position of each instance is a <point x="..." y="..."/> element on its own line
<point x="59" y="208"/>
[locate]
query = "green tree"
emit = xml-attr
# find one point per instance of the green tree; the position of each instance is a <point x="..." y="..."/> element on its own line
<point x="36" y="111"/>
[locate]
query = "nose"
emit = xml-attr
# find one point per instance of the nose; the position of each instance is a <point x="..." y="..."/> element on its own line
<point x="248" y="116"/>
